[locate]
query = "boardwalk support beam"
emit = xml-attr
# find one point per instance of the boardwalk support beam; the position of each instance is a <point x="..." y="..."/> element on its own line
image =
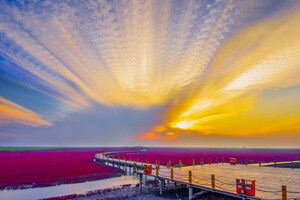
<point x="160" y="186"/>
<point x="141" y="182"/>
<point x="190" y="193"/>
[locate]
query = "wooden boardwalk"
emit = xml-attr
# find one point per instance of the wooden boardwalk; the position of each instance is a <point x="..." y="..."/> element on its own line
<point x="221" y="178"/>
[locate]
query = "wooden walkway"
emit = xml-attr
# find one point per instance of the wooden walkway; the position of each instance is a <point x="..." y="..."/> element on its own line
<point x="220" y="178"/>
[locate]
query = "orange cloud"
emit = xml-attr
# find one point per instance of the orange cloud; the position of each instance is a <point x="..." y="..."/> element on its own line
<point x="13" y="113"/>
<point x="158" y="136"/>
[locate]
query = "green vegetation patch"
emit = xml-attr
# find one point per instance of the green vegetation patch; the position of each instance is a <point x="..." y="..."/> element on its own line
<point x="177" y="165"/>
<point x="2" y="149"/>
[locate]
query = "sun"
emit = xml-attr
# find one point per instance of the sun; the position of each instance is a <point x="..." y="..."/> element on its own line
<point x="183" y="124"/>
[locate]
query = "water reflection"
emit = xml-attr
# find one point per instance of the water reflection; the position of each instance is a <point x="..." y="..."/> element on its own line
<point x="66" y="189"/>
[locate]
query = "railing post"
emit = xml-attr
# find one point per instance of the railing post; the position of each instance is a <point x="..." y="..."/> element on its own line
<point x="246" y="161"/>
<point x="180" y="164"/>
<point x="217" y="160"/>
<point x="158" y="164"/>
<point x="193" y="162"/>
<point x="259" y="163"/>
<point x="213" y="181"/>
<point x="157" y="169"/>
<point x="222" y="160"/>
<point x="202" y="161"/>
<point x="275" y="164"/>
<point x="293" y="165"/>
<point x="134" y="167"/>
<point x="172" y="173"/>
<point x="190" y="177"/>
<point x="145" y="166"/>
<point x="209" y="160"/>
<point x="284" y="194"/>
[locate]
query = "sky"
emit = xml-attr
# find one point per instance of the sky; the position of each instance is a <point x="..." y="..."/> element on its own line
<point x="148" y="72"/>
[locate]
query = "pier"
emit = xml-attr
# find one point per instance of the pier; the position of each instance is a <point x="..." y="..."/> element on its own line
<point x="271" y="182"/>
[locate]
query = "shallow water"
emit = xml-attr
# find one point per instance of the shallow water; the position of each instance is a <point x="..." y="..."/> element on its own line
<point x="66" y="189"/>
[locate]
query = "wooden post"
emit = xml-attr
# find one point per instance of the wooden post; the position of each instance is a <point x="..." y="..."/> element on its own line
<point x="284" y="194"/>
<point x="213" y="181"/>
<point x="293" y="165"/>
<point x="209" y="160"/>
<point x="134" y="167"/>
<point x="217" y="160"/>
<point x="223" y="160"/>
<point x="145" y="166"/>
<point x="259" y="163"/>
<point x="246" y="161"/>
<point x="180" y="164"/>
<point x="202" y="161"/>
<point x="190" y="177"/>
<point x="157" y="170"/>
<point x="193" y="162"/>
<point x="158" y="164"/>
<point x="172" y="173"/>
<point x="275" y="164"/>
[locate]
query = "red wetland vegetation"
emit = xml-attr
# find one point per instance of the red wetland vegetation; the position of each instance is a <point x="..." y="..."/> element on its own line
<point x="186" y="155"/>
<point x="26" y="169"/>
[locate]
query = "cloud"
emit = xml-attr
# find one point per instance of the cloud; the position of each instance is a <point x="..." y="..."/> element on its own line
<point x="12" y="113"/>
<point x="262" y="56"/>
<point x="101" y="55"/>
<point x="156" y="136"/>
<point x="284" y="126"/>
